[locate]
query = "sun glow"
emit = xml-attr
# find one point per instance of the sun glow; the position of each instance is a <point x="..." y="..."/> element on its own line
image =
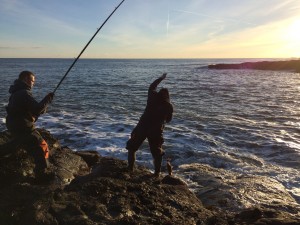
<point x="289" y="36"/>
<point x="292" y="32"/>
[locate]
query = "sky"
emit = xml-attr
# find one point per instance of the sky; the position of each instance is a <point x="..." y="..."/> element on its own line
<point x="150" y="28"/>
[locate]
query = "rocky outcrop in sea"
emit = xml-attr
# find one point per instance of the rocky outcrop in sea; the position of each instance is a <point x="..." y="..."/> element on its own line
<point x="89" y="189"/>
<point x="286" y="65"/>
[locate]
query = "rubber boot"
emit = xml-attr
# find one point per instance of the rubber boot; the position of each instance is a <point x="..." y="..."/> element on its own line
<point x="157" y="165"/>
<point x="131" y="160"/>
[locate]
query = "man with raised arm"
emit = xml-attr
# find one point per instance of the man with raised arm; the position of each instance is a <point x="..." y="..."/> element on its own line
<point x="158" y="111"/>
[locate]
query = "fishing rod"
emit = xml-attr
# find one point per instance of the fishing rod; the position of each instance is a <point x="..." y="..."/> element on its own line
<point x="87" y="46"/>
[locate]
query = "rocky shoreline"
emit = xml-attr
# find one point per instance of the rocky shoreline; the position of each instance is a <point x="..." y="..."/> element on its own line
<point x="285" y="65"/>
<point x="90" y="189"/>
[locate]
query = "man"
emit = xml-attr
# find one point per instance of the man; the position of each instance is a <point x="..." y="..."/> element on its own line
<point x="22" y="113"/>
<point x="158" y="111"/>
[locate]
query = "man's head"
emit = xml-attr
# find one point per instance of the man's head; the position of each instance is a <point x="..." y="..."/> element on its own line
<point x="164" y="94"/>
<point x="27" y="77"/>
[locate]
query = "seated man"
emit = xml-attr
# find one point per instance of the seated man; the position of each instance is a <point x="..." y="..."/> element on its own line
<point x="22" y="112"/>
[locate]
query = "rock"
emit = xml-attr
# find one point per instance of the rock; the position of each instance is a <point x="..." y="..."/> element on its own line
<point x="90" y="189"/>
<point x="172" y="180"/>
<point x="90" y="157"/>
<point x="289" y="65"/>
<point x="17" y="166"/>
<point x="123" y="197"/>
<point x="249" y="197"/>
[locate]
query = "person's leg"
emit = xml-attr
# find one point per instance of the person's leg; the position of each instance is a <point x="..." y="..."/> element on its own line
<point x="37" y="147"/>
<point x="157" y="152"/>
<point x="157" y="164"/>
<point x="131" y="160"/>
<point x="132" y="146"/>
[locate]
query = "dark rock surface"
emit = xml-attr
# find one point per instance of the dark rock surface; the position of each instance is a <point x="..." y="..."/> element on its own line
<point x="89" y="189"/>
<point x="290" y="65"/>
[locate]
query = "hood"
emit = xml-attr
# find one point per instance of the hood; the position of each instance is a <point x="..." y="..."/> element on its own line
<point x="17" y="86"/>
<point x="164" y="95"/>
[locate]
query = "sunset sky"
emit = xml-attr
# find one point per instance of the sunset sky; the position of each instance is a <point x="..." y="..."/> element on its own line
<point x="150" y="29"/>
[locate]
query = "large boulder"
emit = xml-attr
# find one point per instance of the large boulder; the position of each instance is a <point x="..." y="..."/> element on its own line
<point x="89" y="189"/>
<point x="17" y="166"/>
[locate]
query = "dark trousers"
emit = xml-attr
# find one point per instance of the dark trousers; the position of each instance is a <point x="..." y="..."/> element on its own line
<point x="155" y="139"/>
<point x="35" y="146"/>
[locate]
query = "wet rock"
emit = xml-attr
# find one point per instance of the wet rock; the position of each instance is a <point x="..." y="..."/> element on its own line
<point x="90" y="157"/>
<point x="169" y="179"/>
<point x="249" y="197"/>
<point x="90" y="189"/>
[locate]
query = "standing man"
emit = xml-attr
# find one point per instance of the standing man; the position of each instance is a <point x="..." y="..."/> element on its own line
<point x="22" y="113"/>
<point x="158" y="111"/>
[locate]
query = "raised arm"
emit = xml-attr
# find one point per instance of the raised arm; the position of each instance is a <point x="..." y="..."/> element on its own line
<point x="154" y="85"/>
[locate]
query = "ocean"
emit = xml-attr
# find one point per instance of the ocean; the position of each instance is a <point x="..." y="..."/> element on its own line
<point x="246" y="121"/>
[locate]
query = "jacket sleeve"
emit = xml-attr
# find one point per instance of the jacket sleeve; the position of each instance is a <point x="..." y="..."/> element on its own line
<point x="37" y="108"/>
<point x="154" y="85"/>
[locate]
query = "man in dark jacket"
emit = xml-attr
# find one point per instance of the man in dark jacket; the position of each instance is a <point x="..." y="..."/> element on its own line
<point x="158" y="111"/>
<point x="22" y="113"/>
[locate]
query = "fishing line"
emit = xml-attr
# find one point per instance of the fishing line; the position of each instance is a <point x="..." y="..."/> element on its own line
<point x="86" y="46"/>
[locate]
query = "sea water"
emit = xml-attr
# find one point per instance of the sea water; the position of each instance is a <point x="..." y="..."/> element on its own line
<point x="246" y="121"/>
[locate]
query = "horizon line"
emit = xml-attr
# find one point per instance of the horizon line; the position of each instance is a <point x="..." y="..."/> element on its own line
<point x="153" y="58"/>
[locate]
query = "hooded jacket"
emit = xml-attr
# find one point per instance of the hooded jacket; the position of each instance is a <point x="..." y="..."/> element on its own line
<point x="158" y="111"/>
<point x="23" y="110"/>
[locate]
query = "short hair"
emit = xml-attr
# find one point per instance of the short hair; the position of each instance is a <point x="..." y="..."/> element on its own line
<point x="24" y="74"/>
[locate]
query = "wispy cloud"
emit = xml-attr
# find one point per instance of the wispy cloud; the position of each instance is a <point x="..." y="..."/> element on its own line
<point x="162" y="28"/>
<point x="214" y="18"/>
<point x="14" y="47"/>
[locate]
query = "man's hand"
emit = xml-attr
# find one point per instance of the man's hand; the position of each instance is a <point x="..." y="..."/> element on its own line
<point x="50" y="96"/>
<point x="163" y="76"/>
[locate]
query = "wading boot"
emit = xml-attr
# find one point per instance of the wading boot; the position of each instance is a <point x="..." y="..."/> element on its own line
<point x="157" y="166"/>
<point x="131" y="160"/>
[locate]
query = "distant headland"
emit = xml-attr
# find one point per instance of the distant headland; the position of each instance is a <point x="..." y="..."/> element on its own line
<point x="286" y="65"/>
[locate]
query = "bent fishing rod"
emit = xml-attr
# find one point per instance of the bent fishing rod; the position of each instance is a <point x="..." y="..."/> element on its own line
<point x="87" y="46"/>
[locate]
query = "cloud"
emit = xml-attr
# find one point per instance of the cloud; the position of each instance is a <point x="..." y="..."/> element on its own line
<point x="191" y="28"/>
<point x="214" y="18"/>
<point x="10" y="47"/>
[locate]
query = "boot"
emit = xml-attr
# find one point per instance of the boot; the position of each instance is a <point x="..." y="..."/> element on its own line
<point x="131" y="160"/>
<point x="157" y="165"/>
